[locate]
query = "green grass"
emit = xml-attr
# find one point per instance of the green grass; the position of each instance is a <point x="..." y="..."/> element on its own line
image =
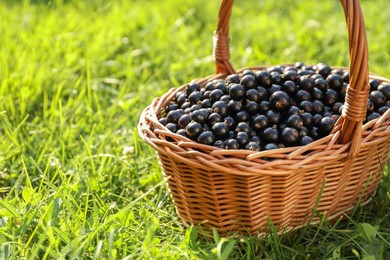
<point x="76" y="181"/>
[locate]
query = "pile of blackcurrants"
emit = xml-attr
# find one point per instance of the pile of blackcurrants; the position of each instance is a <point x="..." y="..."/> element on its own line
<point x="281" y="106"/>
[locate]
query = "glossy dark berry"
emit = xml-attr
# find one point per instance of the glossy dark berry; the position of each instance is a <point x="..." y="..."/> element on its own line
<point x="221" y="86"/>
<point x="264" y="106"/>
<point x="181" y="132"/>
<point x="260" y="122"/>
<point x="318" y="107"/>
<point x="294" y="121"/>
<point x="383" y="109"/>
<point x="377" y="98"/>
<point x="248" y="82"/>
<point x="186" y="105"/>
<point x="280" y="101"/>
<point x="220" y="107"/>
<point x="317" y="119"/>
<point x="317" y="94"/>
<point x="338" y="72"/>
<point x="290" y="136"/>
<point x="184" y="120"/>
<point x="232" y="144"/>
<point x="192" y="87"/>
<point x="274" y="88"/>
<point x="370" y="106"/>
<point x="233" y="78"/>
<point x="331" y="97"/>
<point x="306" y="140"/>
<point x="195" y="97"/>
<point x="276" y="78"/>
<point x="248" y="72"/>
<point x="293" y="110"/>
<point x="173" y="127"/>
<point x="291" y="75"/>
<point x="252" y="146"/>
<point x="163" y="121"/>
<point x="193" y="130"/>
<point x="174" y="115"/>
<point x="303" y="95"/>
<point x="219" y="144"/>
<point x="307" y="119"/>
<point x="263" y="93"/>
<point x="373" y="116"/>
<point x="242" y="116"/>
<point x="326" y="125"/>
<point x="306" y="106"/>
<point x="206" y="138"/>
<point x="264" y="78"/>
<point x="315" y="133"/>
<point x="252" y="95"/>
<point x="320" y="84"/>
<point x="336" y="107"/>
<point x="181" y="99"/>
<point x="242" y="139"/>
<point x="243" y="127"/>
<point x="234" y="106"/>
<point x="215" y="95"/>
<point x="374" y="84"/>
<point x="229" y="122"/>
<point x="206" y="103"/>
<point x="172" y="107"/>
<point x="273" y="117"/>
<point x="290" y="87"/>
<point x="271" y="135"/>
<point x="303" y="131"/>
<point x="215" y="118"/>
<point x="335" y="81"/>
<point x="306" y="83"/>
<point x="220" y="129"/>
<point x="225" y="98"/>
<point x="323" y="69"/>
<point x="346" y="77"/>
<point x="385" y="89"/>
<point x="198" y="116"/>
<point x="251" y="107"/>
<point x="237" y="92"/>
<point x="271" y="146"/>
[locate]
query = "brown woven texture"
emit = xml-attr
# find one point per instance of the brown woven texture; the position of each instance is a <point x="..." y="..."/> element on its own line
<point x="241" y="190"/>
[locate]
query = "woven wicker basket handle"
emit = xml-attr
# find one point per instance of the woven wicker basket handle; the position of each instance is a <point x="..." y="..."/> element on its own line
<point x="356" y="99"/>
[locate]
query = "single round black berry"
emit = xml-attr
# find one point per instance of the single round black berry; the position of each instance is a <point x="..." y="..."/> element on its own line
<point x="248" y="82"/>
<point x="237" y="92"/>
<point x="280" y="101"/>
<point x="290" y="136"/>
<point x="220" y="129"/>
<point x="206" y="138"/>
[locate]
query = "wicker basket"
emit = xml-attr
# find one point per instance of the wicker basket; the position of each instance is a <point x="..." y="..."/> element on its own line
<point x="240" y="190"/>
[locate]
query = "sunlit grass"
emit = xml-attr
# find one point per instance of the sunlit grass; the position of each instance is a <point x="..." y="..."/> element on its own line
<point x="75" y="179"/>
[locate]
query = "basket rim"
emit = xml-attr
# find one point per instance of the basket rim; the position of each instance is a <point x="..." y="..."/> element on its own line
<point x="373" y="131"/>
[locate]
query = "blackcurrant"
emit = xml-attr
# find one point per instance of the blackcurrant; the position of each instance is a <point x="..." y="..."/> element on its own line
<point x="242" y="138"/>
<point x="232" y="144"/>
<point x="290" y="136"/>
<point x="280" y="101"/>
<point x="184" y="120"/>
<point x="248" y="82"/>
<point x="260" y="122"/>
<point x="206" y="138"/>
<point x="193" y="130"/>
<point x="220" y="130"/>
<point x="271" y="135"/>
<point x="220" y="107"/>
<point x="237" y="92"/>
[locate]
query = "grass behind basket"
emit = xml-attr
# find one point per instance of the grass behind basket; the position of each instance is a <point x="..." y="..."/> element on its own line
<point x="75" y="180"/>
